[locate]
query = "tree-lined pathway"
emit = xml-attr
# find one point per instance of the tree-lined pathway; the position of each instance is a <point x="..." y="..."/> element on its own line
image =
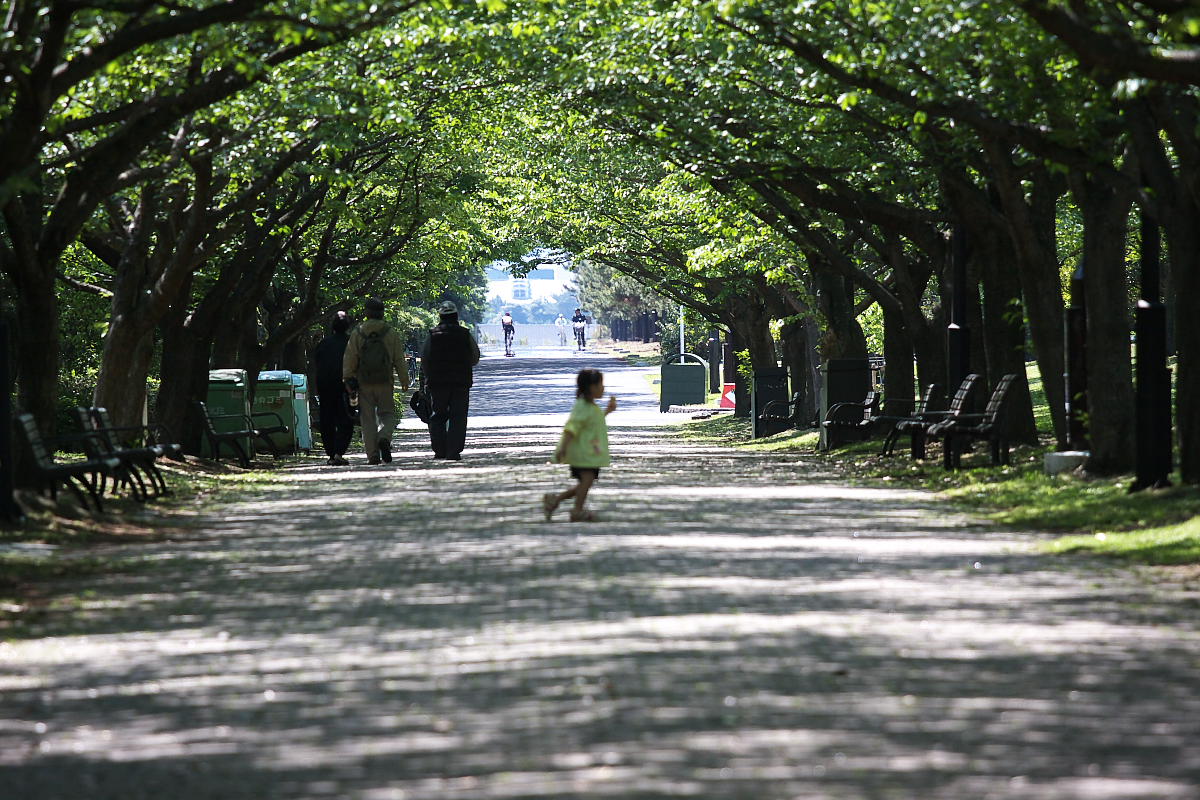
<point x="738" y="626"/>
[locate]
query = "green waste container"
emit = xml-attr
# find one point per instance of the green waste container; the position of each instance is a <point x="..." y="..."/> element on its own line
<point x="274" y="395"/>
<point x="682" y="385"/>
<point x="227" y="395"/>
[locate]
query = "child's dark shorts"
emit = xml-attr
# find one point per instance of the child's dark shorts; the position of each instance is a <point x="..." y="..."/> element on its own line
<point x="577" y="472"/>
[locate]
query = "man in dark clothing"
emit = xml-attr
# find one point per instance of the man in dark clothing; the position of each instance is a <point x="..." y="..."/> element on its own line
<point x="447" y="366"/>
<point x="336" y="425"/>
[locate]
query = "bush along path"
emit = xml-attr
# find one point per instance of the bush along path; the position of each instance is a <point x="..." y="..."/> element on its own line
<point x="737" y="625"/>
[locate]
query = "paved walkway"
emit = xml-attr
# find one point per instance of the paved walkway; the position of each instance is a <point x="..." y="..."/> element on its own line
<point x="742" y="627"/>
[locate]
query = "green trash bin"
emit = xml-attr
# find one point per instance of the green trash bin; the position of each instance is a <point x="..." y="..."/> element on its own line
<point x="682" y="385"/>
<point x="273" y="395"/>
<point x="227" y="395"/>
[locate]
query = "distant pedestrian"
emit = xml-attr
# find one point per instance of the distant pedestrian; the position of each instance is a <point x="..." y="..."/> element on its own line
<point x="561" y="323"/>
<point x="336" y="425"/>
<point x="374" y="353"/>
<point x="447" y="367"/>
<point x="584" y="444"/>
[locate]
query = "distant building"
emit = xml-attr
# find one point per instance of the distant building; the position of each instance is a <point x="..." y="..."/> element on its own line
<point x="543" y="283"/>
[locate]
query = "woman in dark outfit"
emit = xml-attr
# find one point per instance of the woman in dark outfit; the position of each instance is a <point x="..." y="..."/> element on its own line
<point x="336" y="425"/>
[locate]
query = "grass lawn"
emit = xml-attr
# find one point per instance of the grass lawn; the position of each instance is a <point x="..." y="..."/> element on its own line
<point x="1154" y="526"/>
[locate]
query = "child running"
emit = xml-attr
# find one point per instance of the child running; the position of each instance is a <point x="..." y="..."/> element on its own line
<point x="584" y="444"/>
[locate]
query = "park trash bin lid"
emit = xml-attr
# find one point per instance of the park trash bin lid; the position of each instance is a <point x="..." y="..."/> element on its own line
<point x="276" y="380"/>
<point x="237" y="376"/>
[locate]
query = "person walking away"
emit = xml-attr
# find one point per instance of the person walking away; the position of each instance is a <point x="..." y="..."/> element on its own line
<point x="374" y="352"/>
<point x="447" y="367"/>
<point x="584" y="444"/>
<point x="561" y="323"/>
<point x="336" y="425"/>
<point x="510" y="332"/>
<point x="579" y="322"/>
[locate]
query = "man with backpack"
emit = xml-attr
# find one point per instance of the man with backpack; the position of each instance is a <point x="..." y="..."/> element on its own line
<point x="375" y="351"/>
<point x="447" y="367"/>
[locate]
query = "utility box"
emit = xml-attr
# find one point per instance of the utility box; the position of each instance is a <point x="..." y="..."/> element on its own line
<point x="273" y="395"/>
<point x="768" y="385"/>
<point x="845" y="380"/>
<point x="227" y="395"/>
<point x="682" y="385"/>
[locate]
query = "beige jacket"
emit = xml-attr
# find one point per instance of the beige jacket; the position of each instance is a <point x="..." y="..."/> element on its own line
<point x="391" y="340"/>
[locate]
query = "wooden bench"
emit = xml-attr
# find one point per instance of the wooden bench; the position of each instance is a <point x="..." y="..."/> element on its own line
<point x="244" y="429"/>
<point x="785" y="410"/>
<point x="921" y="405"/>
<point x="850" y="421"/>
<point x="79" y="476"/>
<point x="989" y="426"/>
<point x="137" y="453"/>
<point x="918" y="425"/>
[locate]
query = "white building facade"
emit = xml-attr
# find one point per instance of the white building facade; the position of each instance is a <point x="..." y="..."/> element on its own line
<point x="543" y="283"/>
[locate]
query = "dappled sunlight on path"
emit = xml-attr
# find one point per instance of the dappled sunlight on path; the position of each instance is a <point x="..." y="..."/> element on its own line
<point x="738" y="626"/>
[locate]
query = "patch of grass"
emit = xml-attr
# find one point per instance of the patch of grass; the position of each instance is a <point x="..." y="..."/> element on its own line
<point x="1152" y="526"/>
<point x="23" y="577"/>
<point x="1163" y="545"/>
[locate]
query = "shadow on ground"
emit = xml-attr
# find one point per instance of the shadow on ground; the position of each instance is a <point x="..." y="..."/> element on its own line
<point x="737" y="627"/>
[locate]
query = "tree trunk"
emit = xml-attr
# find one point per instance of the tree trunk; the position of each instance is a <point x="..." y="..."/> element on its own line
<point x="1032" y="221"/>
<point x="793" y="341"/>
<point x="899" y="369"/>
<point x="37" y="345"/>
<point x="930" y="346"/>
<point x="843" y="334"/>
<point x="124" y="368"/>
<point x="1187" y="382"/>
<point x="1110" y="400"/>
<point x="1004" y="334"/>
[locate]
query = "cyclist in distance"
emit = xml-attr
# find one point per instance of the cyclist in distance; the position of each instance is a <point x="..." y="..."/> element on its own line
<point x="510" y="330"/>
<point x="579" y="323"/>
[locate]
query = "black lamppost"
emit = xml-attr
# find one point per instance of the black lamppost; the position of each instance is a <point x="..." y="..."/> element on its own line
<point x="958" y="335"/>
<point x="714" y="361"/>
<point x="1076" y="362"/>
<point x="1153" y="396"/>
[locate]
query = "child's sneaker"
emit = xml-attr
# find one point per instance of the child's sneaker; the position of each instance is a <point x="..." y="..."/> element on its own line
<point x="584" y="516"/>
<point x="549" y="503"/>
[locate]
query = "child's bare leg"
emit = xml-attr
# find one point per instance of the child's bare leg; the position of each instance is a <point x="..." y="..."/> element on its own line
<point x="586" y="479"/>
<point x="558" y="498"/>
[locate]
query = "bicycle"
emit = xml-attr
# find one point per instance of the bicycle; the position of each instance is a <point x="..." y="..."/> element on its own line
<point x="509" y="333"/>
<point x="580" y="335"/>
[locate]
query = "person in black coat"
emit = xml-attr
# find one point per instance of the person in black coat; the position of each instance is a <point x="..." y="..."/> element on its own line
<point x="447" y="367"/>
<point x="336" y="425"/>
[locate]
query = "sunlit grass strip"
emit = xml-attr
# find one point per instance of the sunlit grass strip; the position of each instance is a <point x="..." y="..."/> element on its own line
<point x="1168" y="544"/>
<point x="1019" y="496"/>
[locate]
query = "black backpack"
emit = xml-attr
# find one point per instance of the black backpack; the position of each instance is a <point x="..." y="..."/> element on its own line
<point x="374" y="360"/>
